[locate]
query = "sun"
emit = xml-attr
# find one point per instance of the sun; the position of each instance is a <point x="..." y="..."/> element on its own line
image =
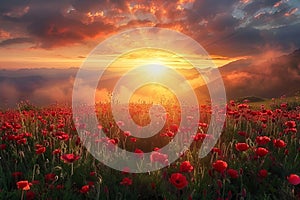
<point x="149" y="64"/>
<point x="155" y="69"/>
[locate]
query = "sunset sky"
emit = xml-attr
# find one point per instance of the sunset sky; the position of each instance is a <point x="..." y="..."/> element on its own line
<point x="61" y="34"/>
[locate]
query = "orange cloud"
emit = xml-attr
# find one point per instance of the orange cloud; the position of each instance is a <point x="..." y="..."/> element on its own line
<point x="4" y="34"/>
<point x="291" y="12"/>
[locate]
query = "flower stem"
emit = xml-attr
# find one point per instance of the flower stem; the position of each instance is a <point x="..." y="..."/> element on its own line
<point x="72" y="169"/>
<point x="22" y="196"/>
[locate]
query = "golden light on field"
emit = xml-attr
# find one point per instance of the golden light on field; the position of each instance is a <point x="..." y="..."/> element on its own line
<point x="153" y="93"/>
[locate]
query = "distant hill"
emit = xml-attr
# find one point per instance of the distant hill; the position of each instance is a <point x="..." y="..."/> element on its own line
<point x="272" y="78"/>
<point x="264" y="79"/>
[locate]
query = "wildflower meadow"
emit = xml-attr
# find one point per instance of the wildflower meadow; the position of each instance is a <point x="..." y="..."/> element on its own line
<point x="256" y="157"/>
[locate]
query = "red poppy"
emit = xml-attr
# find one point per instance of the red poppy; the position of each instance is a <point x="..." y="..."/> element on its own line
<point x="293" y="130"/>
<point x="17" y="174"/>
<point x="243" y="105"/>
<point x="60" y="187"/>
<point x="170" y="134"/>
<point x="220" y="166"/>
<point x="64" y="137"/>
<point x="178" y="180"/>
<point x="260" y="151"/>
<point x="69" y="158"/>
<point x="113" y="141"/>
<point x="233" y="173"/>
<point x="91" y="183"/>
<point x="22" y="141"/>
<point x="290" y="124"/>
<point x="174" y="128"/>
<point x="217" y="150"/>
<point x="186" y="167"/>
<point x="279" y="143"/>
<point x="56" y="151"/>
<point x="35" y="182"/>
<point x="262" y="140"/>
<point x="155" y="149"/>
<point x="263" y="173"/>
<point x="127" y="133"/>
<point x="49" y="177"/>
<point x="139" y="153"/>
<point x="159" y="157"/>
<point x="40" y="150"/>
<point x="85" y="189"/>
<point x="241" y="146"/>
<point x="126" y="181"/>
<point x="199" y="137"/>
<point x="294" y="179"/>
<point x="119" y="123"/>
<point x="23" y="185"/>
<point x="126" y="170"/>
<point x="111" y="144"/>
<point x="242" y="133"/>
<point x="203" y="125"/>
<point x="93" y="173"/>
<point x="2" y="146"/>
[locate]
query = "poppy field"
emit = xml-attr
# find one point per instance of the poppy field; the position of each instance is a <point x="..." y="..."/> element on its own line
<point x="256" y="157"/>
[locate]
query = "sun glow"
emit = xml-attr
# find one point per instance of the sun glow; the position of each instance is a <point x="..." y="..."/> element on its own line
<point x="155" y="64"/>
<point x="155" y="69"/>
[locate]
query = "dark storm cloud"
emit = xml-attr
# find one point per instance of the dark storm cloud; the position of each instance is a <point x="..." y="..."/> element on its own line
<point x="96" y="5"/>
<point x="223" y="21"/>
<point x="205" y="9"/>
<point x="237" y="28"/>
<point x="287" y="37"/>
<point x="59" y="31"/>
<point x="49" y="24"/>
<point x="243" y="41"/>
<point x="227" y="27"/>
<point x="7" y="6"/>
<point x="15" y="41"/>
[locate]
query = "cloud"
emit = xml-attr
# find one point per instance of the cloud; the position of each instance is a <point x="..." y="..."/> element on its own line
<point x="221" y="22"/>
<point x="40" y="86"/>
<point x="254" y="6"/>
<point x="9" y="94"/>
<point x="265" y="79"/>
<point x="52" y="92"/>
<point x="4" y="34"/>
<point x="15" y="41"/>
<point x="227" y="27"/>
<point x="52" y="34"/>
<point x="9" y="6"/>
